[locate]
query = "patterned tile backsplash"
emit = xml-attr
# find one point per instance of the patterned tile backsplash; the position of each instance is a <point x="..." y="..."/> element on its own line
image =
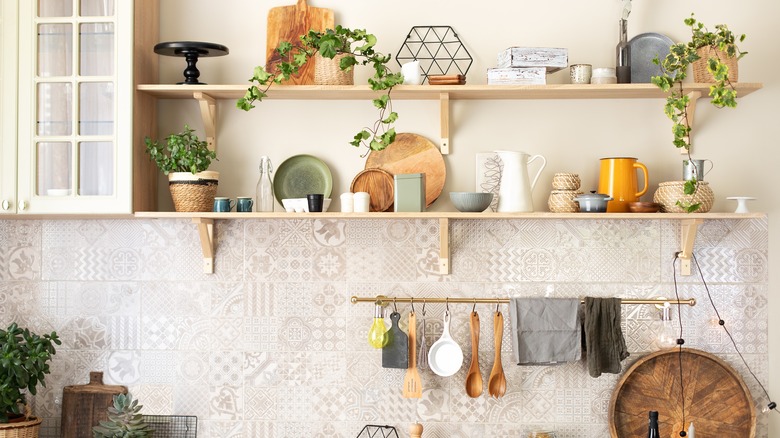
<point x="270" y="346"/>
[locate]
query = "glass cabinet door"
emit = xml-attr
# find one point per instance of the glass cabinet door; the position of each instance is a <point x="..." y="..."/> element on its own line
<point x="79" y="84"/>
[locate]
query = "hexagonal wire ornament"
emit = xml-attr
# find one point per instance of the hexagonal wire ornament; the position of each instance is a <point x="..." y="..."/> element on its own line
<point x="438" y="48"/>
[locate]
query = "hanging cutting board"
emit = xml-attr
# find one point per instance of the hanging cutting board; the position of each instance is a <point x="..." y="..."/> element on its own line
<point x="717" y="401"/>
<point x="288" y="23"/>
<point x="412" y="153"/>
<point x="396" y="353"/>
<point x="83" y="406"/>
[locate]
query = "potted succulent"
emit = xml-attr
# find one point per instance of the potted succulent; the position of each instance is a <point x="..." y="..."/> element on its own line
<point x="713" y="56"/>
<point x="185" y="159"/>
<point x="351" y="47"/>
<point x="124" y="420"/>
<point x="24" y="364"/>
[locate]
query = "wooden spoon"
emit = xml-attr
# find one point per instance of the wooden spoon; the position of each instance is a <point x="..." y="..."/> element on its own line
<point x="474" y="377"/>
<point x="497" y="380"/>
<point x="412" y="384"/>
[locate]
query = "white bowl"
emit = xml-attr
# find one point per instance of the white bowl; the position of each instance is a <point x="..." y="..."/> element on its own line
<point x="301" y="205"/>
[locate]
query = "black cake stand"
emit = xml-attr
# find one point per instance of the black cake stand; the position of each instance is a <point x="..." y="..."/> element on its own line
<point x="191" y="51"/>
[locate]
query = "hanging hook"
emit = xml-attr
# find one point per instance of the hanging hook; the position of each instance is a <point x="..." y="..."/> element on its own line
<point x="411" y="300"/>
<point x="474" y="307"/>
<point x="447" y="303"/>
<point x="395" y="308"/>
<point x="423" y="310"/>
<point x="498" y="306"/>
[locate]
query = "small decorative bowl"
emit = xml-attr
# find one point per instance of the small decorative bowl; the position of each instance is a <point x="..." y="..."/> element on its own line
<point x="644" y="207"/>
<point x="471" y="202"/>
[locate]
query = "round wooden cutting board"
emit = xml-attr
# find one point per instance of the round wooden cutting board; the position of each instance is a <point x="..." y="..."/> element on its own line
<point x="412" y="153"/>
<point x="716" y="399"/>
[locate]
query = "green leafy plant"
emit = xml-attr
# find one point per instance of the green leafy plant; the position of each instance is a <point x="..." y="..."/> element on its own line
<point x="182" y="152"/>
<point x="24" y="363"/>
<point x="674" y="69"/>
<point x="358" y="45"/>
<point x="124" y="420"/>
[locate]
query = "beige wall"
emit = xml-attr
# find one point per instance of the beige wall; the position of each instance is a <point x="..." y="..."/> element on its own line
<point x="572" y="135"/>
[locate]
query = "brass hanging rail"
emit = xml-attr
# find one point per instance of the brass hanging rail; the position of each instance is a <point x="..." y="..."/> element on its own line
<point x="387" y="300"/>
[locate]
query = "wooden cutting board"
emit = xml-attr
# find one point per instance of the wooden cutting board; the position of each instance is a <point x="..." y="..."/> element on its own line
<point x="288" y="23"/>
<point x="717" y="401"/>
<point x="412" y="153"/>
<point x="83" y="406"/>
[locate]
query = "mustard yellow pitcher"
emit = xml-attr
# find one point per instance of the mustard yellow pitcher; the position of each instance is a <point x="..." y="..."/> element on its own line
<point x="618" y="178"/>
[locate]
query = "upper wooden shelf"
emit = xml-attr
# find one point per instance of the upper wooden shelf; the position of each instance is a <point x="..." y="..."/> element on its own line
<point x="425" y="92"/>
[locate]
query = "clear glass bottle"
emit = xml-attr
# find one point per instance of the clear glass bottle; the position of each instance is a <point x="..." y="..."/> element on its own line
<point x="652" y="428"/>
<point x="623" y="55"/>
<point x="265" y="187"/>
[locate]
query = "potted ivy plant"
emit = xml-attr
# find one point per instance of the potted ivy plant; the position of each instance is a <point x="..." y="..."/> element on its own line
<point x="24" y="364"/>
<point x="715" y="52"/>
<point x="185" y="159"/>
<point x="357" y="47"/>
<point x="124" y="420"/>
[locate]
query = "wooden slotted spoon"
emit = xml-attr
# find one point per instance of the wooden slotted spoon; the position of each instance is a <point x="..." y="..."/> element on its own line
<point x="412" y="384"/>
<point x="474" y="377"/>
<point x="497" y="380"/>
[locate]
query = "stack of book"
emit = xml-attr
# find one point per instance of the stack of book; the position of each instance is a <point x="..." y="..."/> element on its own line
<point x="527" y="65"/>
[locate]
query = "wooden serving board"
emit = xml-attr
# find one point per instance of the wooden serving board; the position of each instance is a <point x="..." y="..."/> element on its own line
<point x="83" y="406"/>
<point x="717" y="401"/>
<point x="288" y="23"/>
<point x="412" y="153"/>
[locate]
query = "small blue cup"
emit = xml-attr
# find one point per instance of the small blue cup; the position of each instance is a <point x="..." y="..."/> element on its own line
<point x="244" y="204"/>
<point x="222" y="204"/>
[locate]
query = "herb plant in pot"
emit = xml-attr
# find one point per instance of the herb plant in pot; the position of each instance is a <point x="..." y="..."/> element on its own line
<point x="185" y="159"/>
<point x="24" y="363"/>
<point x="713" y="56"/>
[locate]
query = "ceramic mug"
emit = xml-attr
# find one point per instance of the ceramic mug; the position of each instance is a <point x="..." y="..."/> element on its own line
<point x="222" y="204"/>
<point x="244" y="204"/>
<point x="581" y="73"/>
<point x="688" y="166"/>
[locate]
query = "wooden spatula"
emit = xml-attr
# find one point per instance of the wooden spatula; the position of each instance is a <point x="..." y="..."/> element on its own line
<point x="412" y="384"/>
<point x="288" y="23"/>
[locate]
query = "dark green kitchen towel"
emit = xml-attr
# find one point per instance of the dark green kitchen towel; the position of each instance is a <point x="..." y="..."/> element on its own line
<point x="605" y="346"/>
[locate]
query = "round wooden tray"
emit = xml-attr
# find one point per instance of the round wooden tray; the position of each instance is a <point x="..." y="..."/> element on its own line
<point x="717" y="401"/>
<point x="379" y="185"/>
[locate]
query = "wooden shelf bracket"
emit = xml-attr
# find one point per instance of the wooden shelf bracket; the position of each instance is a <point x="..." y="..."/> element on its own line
<point x="688" y="228"/>
<point x="206" y="233"/>
<point x="208" y="112"/>
<point x="444" y="246"/>
<point x="693" y="97"/>
<point x="444" y="112"/>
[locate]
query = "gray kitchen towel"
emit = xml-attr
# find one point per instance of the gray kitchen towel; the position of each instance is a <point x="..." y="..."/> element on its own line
<point x="605" y="346"/>
<point x="545" y="330"/>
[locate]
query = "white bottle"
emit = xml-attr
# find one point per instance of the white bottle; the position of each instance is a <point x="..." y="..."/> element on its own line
<point x="691" y="430"/>
<point x="265" y="188"/>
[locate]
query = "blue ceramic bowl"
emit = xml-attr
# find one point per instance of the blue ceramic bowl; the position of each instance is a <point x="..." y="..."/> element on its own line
<point x="472" y="202"/>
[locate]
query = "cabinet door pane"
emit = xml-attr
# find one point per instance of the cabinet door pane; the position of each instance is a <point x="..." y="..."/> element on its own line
<point x="97" y="49"/>
<point x="96" y="168"/>
<point x="96" y="108"/>
<point x="55" y="50"/>
<point x="55" y="8"/>
<point x="54" y="108"/>
<point x="97" y="8"/>
<point x="53" y="162"/>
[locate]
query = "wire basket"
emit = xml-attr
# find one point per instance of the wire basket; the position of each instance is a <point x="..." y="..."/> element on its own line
<point x="700" y="72"/>
<point x="173" y="426"/>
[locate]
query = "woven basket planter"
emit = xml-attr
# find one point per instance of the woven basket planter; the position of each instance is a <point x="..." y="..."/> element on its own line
<point x="700" y="73"/>
<point x="328" y="72"/>
<point x="21" y="429"/>
<point x="670" y="192"/>
<point x="193" y="192"/>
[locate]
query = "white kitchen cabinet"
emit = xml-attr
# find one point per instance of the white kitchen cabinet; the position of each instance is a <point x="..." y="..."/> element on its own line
<point x="8" y="54"/>
<point x="75" y="105"/>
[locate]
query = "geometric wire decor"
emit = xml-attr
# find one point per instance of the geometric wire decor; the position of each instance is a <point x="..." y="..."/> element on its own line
<point x="438" y="49"/>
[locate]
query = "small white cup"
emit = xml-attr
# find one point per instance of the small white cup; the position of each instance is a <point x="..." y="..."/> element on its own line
<point x="411" y="73"/>
<point x="362" y="200"/>
<point x="347" y="200"/>
<point x="581" y="73"/>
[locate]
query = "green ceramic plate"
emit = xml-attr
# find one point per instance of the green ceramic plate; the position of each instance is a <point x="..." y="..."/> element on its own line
<point x="301" y="175"/>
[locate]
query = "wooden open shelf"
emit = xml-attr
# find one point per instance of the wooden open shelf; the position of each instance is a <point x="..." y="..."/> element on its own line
<point x="207" y="94"/>
<point x="688" y="225"/>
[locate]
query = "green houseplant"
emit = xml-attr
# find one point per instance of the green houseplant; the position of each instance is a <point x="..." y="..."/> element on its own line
<point x="720" y="49"/>
<point x="185" y="159"/>
<point x="24" y="364"/>
<point x="124" y="420"/>
<point x="358" y="46"/>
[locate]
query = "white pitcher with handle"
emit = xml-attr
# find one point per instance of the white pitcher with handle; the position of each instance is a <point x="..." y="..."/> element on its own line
<point x="514" y="193"/>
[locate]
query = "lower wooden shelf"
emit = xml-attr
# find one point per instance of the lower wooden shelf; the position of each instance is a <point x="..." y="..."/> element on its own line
<point x="688" y="225"/>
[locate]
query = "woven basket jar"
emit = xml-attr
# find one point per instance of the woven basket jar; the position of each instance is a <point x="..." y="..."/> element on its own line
<point x="193" y="192"/>
<point x="566" y="181"/>
<point x="562" y="201"/>
<point x="670" y="192"/>
<point x="700" y="73"/>
<point x="328" y="72"/>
